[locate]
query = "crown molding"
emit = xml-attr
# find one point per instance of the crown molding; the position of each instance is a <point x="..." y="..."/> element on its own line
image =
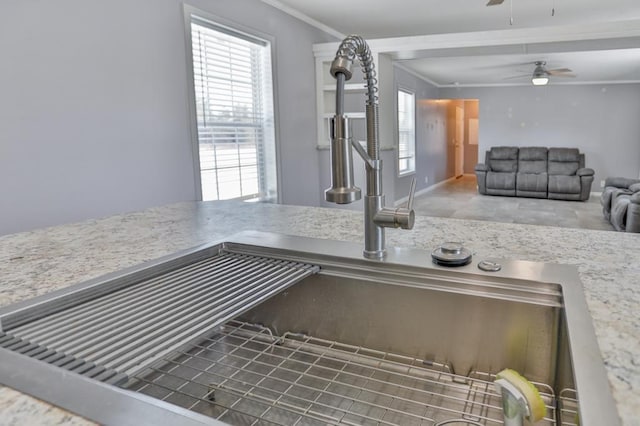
<point x="554" y="83"/>
<point x="304" y="18"/>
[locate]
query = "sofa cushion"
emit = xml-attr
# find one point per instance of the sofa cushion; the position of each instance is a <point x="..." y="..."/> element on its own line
<point x="531" y="182"/>
<point x="501" y="180"/>
<point x="563" y="161"/>
<point x="532" y="154"/>
<point x="503" y="153"/>
<point x="504" y="166"/>
<point x="532" y="160"/>
<point x="564" y="155"/>
<point x="561" y="184"/>
<point x="564" y="168"/>
<point x="503" y="159"/>
<point x="532" y="166"/>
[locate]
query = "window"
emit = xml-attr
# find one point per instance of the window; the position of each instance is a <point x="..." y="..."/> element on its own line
<point x="406" y="132"/>
<point x="234" y="113"/>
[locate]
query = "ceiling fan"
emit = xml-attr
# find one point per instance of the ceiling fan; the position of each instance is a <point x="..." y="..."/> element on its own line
<point x="541" y="74"/>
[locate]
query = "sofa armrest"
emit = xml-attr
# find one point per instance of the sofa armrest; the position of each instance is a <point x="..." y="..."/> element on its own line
<point x="633" y="214"/>
<point x="620" y="182"/>
<point x="586" y="179"/>
<point x="481" y="177"/>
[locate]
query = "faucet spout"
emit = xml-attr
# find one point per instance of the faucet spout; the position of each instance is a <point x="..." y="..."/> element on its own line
<point x="342" y="191"/>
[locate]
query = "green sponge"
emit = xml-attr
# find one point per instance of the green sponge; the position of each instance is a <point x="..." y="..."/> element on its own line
<point x="537" y="409"/>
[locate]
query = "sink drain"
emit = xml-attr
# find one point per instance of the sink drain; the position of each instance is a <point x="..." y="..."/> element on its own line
<point x="451" y="253"/>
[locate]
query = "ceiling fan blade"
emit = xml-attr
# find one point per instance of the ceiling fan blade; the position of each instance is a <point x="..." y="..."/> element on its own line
<point x="558" y="71"/>
<point x="495" y="2"/>
<point x="564" y="75"/>
<point x="517" y="76"/>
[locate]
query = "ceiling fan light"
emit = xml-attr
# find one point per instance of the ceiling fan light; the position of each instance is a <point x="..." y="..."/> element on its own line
<point x="540" y="81"/>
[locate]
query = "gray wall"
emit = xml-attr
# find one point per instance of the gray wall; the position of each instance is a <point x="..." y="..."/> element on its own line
<point x="94" y="112"/>
<point x="603" y="121"/>
<point x="431" y="135"/>
<point x="94" y="118"/>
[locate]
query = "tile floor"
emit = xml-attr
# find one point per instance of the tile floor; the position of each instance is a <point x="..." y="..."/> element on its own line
<point x="460" y="199"/>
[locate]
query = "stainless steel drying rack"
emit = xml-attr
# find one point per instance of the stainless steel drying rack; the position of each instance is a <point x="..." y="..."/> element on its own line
<point x="568" y="407"/>
<point x="244" y="375"/>
<point x="111" y="335"/>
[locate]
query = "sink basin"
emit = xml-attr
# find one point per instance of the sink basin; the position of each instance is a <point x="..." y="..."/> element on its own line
<point x="292" y="330"/>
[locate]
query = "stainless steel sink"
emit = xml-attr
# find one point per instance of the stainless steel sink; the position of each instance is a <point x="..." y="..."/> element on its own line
<point x="271" y="329"/>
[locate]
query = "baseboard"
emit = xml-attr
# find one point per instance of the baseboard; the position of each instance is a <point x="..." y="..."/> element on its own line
<point x="418" y="193"/>
<point x="423" y="191"/>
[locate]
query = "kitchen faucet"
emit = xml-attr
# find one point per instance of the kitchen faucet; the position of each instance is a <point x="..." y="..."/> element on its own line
<point x="343" y="191"/>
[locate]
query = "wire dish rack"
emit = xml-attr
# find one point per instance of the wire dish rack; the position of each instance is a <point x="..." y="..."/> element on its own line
<point x="244" y="375"/>
<point x="568" y="407"/>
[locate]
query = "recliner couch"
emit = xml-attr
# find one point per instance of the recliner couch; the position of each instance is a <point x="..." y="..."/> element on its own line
<point x="532" y="177"/>
<point x="556" y="173"/>
<point x="621" y="203"/>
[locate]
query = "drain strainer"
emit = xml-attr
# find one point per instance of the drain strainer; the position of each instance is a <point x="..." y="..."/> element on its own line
<point x="451" y="253"/>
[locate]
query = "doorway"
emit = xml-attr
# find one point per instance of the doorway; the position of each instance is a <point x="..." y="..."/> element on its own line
<point x="458" y="142"/>
<point x="463" y="124"/>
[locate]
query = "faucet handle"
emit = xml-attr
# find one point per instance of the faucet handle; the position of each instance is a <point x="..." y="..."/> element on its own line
<point x="401" y="217"/>
<point x="406" y="217"/>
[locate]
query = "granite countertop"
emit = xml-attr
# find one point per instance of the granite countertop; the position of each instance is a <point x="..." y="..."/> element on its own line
<point x="40" y="261"/>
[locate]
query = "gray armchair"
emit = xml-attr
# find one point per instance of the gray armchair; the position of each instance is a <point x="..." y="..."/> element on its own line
<point x="497" y="176"/>
<point x="633" y="212"/>
<point x="568" y="178"/>
<point x="621" y="203"/>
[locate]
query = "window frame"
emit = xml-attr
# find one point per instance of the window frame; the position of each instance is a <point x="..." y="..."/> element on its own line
<point x="408" y="171"/>
<point x="190" y="12"/>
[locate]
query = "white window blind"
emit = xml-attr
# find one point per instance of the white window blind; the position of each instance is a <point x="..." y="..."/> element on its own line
<point x="235" y="119"/>
<point x="406" y="132"/>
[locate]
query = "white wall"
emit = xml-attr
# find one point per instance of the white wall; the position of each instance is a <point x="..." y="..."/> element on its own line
<point x="93" y="106"/>
<point x="602" y="121"/>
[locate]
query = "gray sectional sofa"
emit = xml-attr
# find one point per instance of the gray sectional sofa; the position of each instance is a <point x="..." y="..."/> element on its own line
<point x="621" y="203"/>
<point x="538" y="172"/>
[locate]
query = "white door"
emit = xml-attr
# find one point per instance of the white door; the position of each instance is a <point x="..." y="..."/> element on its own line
<point x="459" y="142"/>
